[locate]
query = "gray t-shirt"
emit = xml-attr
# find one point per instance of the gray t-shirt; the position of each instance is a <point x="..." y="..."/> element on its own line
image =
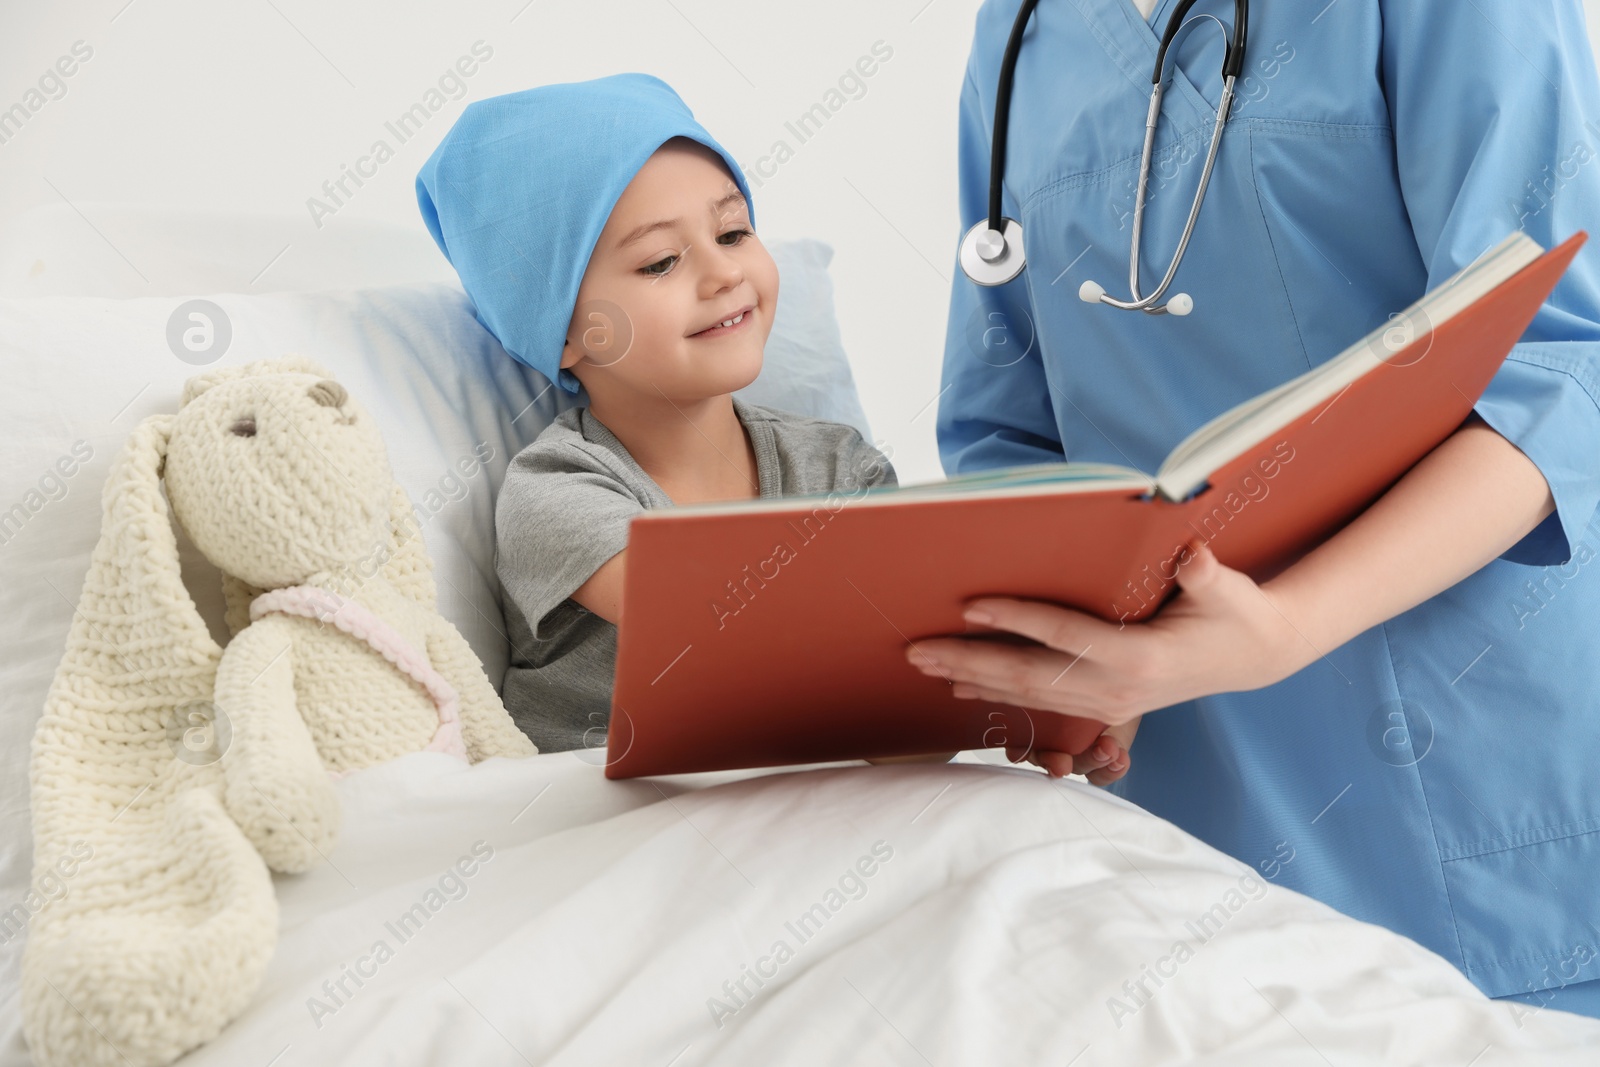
<point x="564" y="509"/>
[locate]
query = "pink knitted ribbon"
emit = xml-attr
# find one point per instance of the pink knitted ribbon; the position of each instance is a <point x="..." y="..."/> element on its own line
<point x="357" y="620"/>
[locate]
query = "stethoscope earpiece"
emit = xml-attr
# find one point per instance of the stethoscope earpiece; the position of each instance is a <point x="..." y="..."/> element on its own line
<point x="1092" y="292"/>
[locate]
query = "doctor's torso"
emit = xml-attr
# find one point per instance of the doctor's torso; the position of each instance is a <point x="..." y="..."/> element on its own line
<point x="1386" y="779"/>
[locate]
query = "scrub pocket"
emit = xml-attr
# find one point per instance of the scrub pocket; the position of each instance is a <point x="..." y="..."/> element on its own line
<point x="1526" y="909"/>
<point x="1581" y="998"/>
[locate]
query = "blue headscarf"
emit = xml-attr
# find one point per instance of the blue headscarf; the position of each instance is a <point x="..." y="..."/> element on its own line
<point x="519" y="189"/>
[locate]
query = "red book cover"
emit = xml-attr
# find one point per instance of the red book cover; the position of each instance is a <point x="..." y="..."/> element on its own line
<point x="777" y="635"/>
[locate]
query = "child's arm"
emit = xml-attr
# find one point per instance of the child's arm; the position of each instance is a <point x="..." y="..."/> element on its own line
<point x="602" y="593"/>
<point x="561" y="528"/>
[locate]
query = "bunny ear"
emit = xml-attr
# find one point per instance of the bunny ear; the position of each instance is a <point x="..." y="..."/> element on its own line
<point x="171" y="901"/>
<point x="137" y="650"/>
<point x="290" y="364"/>
<point x="137" y="653"/>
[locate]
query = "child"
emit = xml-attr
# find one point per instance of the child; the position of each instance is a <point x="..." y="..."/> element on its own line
<point x="608" y="241"/>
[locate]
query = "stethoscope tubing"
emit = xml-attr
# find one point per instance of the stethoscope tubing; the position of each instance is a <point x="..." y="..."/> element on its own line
<point x="992" y="251"/>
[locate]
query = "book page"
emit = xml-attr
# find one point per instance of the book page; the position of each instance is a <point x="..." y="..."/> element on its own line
<point x="1027" y="480"/>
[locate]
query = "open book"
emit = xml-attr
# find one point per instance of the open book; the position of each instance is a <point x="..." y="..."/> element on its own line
<point x="773" y="631"/>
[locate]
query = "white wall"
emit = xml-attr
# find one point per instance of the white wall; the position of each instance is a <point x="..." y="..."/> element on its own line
<point x="255" y="104"/>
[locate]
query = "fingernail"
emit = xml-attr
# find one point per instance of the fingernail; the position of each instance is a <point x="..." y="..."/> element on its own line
<point x="977" y="615"/>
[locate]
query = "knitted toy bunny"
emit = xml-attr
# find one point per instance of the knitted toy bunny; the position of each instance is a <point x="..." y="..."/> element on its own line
<point x="185" y="770"/>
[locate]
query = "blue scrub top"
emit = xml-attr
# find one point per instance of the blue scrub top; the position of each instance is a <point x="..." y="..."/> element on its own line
<point x="1435" y="774"/>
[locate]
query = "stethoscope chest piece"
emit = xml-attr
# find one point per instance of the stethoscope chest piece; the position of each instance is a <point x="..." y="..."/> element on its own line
<point x="993" y="258"/>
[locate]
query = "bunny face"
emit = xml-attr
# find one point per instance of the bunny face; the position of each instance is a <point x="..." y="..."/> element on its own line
<point x="277" y="477"/>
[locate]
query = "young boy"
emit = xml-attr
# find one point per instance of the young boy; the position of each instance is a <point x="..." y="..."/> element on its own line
<point x="608" y="241"/>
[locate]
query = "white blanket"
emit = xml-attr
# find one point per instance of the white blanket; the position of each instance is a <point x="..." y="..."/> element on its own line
<point x="531" y="912"/>
<point x="637" y="923"/>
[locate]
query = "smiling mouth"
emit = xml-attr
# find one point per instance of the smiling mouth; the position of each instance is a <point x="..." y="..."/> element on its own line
<point x="726" y="325"/>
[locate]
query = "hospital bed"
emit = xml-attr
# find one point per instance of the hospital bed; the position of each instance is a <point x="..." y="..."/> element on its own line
<point x="971" y="913"/>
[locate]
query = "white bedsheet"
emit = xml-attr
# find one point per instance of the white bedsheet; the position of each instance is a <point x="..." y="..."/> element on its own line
<point x="1002" y="915"/>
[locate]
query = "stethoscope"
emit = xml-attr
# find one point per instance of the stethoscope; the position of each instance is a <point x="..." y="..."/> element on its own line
<point x="991" y="252"/>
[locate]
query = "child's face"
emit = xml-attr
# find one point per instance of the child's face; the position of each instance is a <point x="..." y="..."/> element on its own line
<point x="640" y="325"/>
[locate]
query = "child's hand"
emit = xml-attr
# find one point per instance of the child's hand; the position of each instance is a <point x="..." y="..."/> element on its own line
<point x="1102" y="762"/>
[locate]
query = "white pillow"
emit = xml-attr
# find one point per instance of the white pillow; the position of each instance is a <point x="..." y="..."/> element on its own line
<point x="52" y="249"/>
<point x="80" y="372"/>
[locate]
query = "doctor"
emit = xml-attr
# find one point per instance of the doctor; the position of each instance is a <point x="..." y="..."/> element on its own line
<point x="1406" y="723"/>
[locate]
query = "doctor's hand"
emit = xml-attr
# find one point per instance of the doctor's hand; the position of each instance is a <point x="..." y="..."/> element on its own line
<point x="1222" y="633"/>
